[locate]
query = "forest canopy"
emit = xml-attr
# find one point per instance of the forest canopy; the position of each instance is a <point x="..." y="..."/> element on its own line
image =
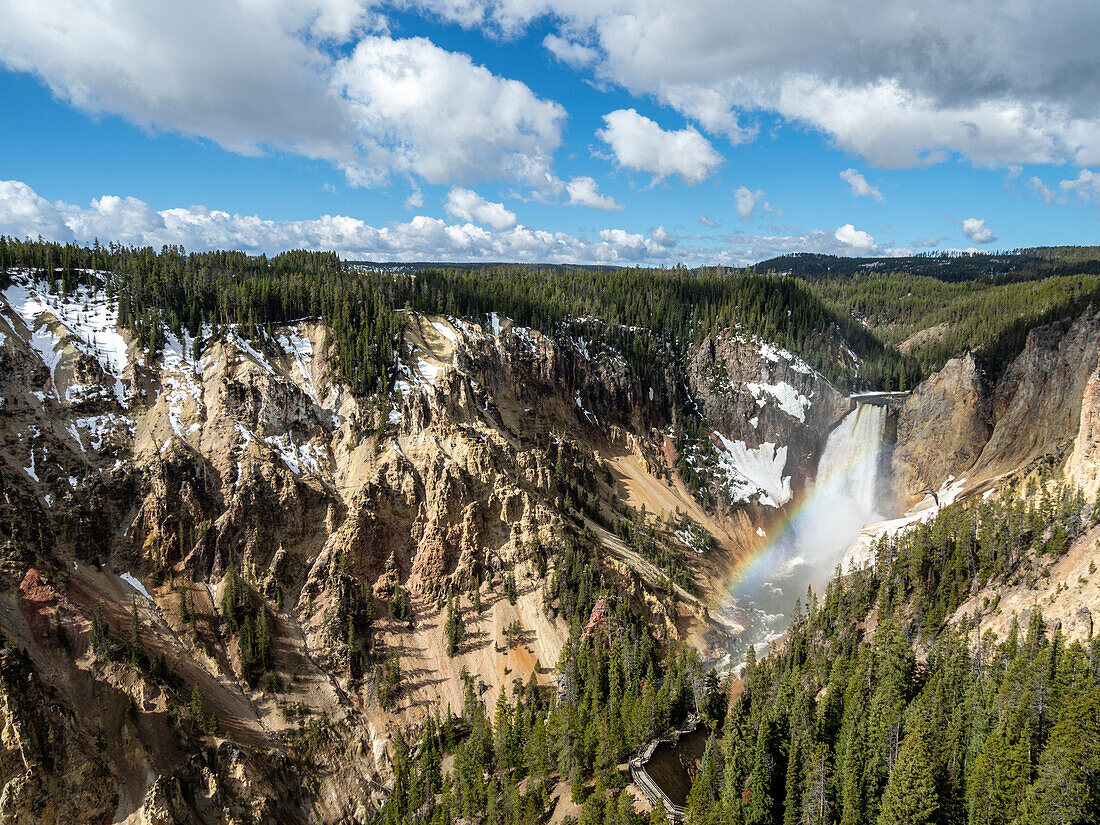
<point x="902" y="318"/>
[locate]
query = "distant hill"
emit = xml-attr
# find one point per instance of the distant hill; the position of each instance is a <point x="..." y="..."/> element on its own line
<point x="407" y="267"/>
<point x="934" y="307"/>
<point x="1000" y="267"/>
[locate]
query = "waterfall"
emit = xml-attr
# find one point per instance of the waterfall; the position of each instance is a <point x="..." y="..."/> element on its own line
<point x="849" y="465"/>
<point x="806" y="548"/>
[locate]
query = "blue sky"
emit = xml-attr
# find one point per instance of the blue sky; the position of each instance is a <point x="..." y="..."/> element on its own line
<point x="619" y="132"/>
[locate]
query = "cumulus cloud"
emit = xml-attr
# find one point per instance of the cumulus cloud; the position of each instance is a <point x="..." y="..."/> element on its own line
<point x="129" y="220"/>
<point x="857" y="239"/>
<point x="925" y="242"/>
<point x="975" y="230"/>
<point x="1085" y="186"/>
<point x="707" y="222"/>
<point x="25" y="213"/>
<point x="859" y="185"/>
<point x="583" y="191"/>
<point x="570" y="52"/>
<point x="468" y="205"/>
<point x="744" y="201"/>
<point x="420" y="108"/>
<point x="639" y="143"/>
<point x="663" y="236"/>
<point x="884" y="79"/>
<point x="314" y="77"/>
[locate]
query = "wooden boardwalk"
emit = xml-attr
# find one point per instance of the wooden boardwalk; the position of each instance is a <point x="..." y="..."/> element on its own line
<point x="650" y="789"/>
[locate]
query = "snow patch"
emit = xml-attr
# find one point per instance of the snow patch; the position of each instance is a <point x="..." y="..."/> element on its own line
<point x="445" y="331"/>
<point x="790" y="400"/>
<point x="772" y="353"/>
<point x="296" y="457"/>
<point x="302" y="349"/>
<point x="88" y="315"/>
<point x="429" y="371"/>
<point x="246" y="346"/>
<point x="98" y="428"/>
<point x="755" y="472"/>
<point x="134" y="583"/>
<point x="590" y="416"/>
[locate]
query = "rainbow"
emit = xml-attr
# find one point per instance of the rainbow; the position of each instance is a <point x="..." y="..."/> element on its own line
<point x="822" y="524"/>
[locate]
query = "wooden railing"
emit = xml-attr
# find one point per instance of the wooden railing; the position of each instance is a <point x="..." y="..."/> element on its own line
<point x="650" y="789"/>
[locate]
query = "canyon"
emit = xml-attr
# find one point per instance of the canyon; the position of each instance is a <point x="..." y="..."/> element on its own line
<point x="139" y="488"/>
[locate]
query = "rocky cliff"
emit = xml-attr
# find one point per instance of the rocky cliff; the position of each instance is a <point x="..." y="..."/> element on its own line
<point x="942" y="428"/>
<point x="755" y="393"/>
<point x="194" y="535"/>
<point x="1083" y="467"/>
<point x="959" y="427"/>
<point x="229" y="579"/>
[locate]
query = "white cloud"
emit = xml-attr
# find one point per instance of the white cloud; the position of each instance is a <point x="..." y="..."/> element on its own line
<point x="570" y="52"/>
<point x="859" y="185"/>
<point x="230" y="72"/>
<point x="1044" y="191"/>
<point x="663" y="236"/>
<point x="583" y="191"/>
<point x="705" y="221"/>
<point x="25" y="213"/>
<point x="745" y="201"/>
<point x="886" y="79"/>
<point x="855" y="238"/>
<point x="131" y="221"/>
<point x="422" y="109"/>
<point x="312" y="77"/>
<point x="415" y="200"/>
<point x="639" y="143"/>
<point x="709" y="108"/>
<point x="975" y="230"/>
<point x="1085" y="186"/>
<point x="925" y="242"/>
<point x="467" y="205"/>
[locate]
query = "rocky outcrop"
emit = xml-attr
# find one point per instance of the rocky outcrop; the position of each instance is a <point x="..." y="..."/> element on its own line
<point x="50" y="770"/>
<point x="753" y="392"/>
<point x="942" y="428"/>
<point x="1037" y="403"/>
<point x="958" y="424"/>
<point x="1083" y="468"/>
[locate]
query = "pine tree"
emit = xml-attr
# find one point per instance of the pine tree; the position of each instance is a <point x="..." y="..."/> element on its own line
<point x="817" y="804"/>
<point x="912" y="793"/>
<point x="197" y="711"/>
<point x="1067" y="788"/>
<point x="453" y="630"/>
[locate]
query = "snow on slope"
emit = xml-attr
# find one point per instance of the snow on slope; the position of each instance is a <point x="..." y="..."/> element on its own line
<point x="445" y="331"/>
<point x="790" y="400"/>
<point x="89" y="316"/>
<point x="755" y="472"/>
<point x="301" y="348"/>
<point x="773" y="353"/>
